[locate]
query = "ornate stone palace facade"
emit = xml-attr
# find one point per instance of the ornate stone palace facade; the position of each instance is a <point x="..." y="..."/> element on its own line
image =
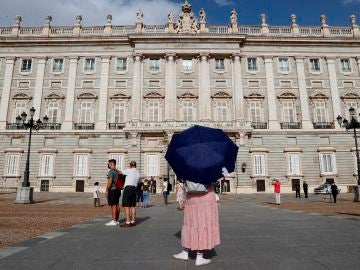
<point x="122" y="91"/>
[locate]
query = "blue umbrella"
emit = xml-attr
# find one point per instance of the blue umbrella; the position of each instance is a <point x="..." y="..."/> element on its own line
<point x="199" y="153"/>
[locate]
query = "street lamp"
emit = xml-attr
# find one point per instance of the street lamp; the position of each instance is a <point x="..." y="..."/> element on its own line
<point x="353" y="124"/>
<point x="25" y="192"/>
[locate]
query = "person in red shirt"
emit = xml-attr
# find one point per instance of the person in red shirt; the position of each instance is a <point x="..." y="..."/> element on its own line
<point x="276" y="183"/>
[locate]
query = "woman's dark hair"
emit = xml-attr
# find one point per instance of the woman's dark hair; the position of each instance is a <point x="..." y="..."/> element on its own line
<point x="96" y="183"/>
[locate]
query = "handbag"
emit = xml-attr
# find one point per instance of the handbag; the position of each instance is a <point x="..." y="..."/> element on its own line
<point x="195" y="188"/>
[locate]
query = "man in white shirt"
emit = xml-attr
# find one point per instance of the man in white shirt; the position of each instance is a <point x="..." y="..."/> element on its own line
<point x="165" y="191"/>
<point x="129" y="195"/>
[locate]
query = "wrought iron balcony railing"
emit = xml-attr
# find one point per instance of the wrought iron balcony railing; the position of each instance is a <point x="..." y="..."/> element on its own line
<point x="290" y="125"/>
<point x="84" y="126"/>
<point x="323" y="125"/>
<point x="52" y="126"/>
<point x="14" y="126"/>
<point x="117" y="125"/>
<point x="259" y="125"/>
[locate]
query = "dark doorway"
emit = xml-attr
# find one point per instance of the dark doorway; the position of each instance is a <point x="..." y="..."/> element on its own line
<point x="330" y="180"/>
<point x="80" y="185"/>
<point x="260" y="185"/>
<point x="293" y="183"/>
<point x="225" y="185"/>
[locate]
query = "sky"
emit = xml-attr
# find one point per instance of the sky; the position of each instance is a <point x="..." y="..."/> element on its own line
<point x="94" y="12"/>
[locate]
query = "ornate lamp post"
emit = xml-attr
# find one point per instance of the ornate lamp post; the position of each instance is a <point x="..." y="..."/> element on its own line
<point x="25" y="192"/>
<point x="353" y="124"/>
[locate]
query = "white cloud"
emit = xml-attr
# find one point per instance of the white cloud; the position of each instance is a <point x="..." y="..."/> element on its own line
<point x="94" y="12"/>
<point x="347" y="2"/>
<point x="224" y="2"/>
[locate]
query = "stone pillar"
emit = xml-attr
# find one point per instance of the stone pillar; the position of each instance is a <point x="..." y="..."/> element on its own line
<point x="264" y="25"/>
<point x="108" y="26"/>
<point x="77" y="26"/>
<point x="103" y="97"/>
<point x="16" y="27"/>
<point x="304" y="102"/>
<point x="39" y="87"/>
<point x="170" y="87"/>
<point x="324" y="26"/>
<point x="136" y="93"/>
<point x="204" y="90"/>
<point x="70" y="95"/>
<point x="273" y="121"/>
<point x="5" y="96"/>
<point x="238" y="95"/>
<point x="334" y="89"/>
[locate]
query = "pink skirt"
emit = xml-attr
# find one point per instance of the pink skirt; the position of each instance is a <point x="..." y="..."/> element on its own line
<point x="200" y="230"/>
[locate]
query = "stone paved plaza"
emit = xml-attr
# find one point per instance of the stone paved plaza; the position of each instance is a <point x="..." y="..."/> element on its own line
<point x="254" y="235"/>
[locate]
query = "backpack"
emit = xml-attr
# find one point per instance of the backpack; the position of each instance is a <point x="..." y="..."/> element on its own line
<point x="120" y="181"/>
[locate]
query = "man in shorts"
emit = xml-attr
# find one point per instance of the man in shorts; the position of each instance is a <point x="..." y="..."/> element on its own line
<point x="113" y="194"/>
<point x="129" y="196"/>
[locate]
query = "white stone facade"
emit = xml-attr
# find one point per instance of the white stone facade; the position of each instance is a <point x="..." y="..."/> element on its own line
<point x="122" y="91"/>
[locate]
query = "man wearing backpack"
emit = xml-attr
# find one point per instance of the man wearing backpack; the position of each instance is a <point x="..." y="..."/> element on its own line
<point x="112" y="193"/>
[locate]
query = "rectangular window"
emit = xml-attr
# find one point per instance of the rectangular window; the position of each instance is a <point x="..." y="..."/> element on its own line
<point x="154" y="111"/>
<point x="154" y="65"/>
<point x="327" y="163"/>
<point x="187" y="64"/>
<point x="44" y="185"/>
<point x="255" y="111"/>
<point x="12" y="164"/>
<point x="315" y="65"/>
<point x="152" y="165"/>
<point x="345" y="65"/>
<point x="119" y="112"/>
<point x="81" y="165"/>
<point x="219" y="64"/>
<point x="119" y="160"/>
<point x="221" y="111"/>
<point x="58" y="65"/>
<point x="26" y="65"/>
<point x="294" y="164"/>
<point x="283" y="65"/>
<point x="320" y="112"/>
<point x="121" y="64"/>
<point x="89" y="65"/>
<point x="53" y="112"/>
<point x="289" y="112"/>
<point x="259" y="165"/>
<point x="188" y="110"/>
<point x="351" y="104"/>
<point x="86" y="112"/>
<point x="20" y="107"/>
<point x="252" y="64"/>
<point x="47" y="166"/>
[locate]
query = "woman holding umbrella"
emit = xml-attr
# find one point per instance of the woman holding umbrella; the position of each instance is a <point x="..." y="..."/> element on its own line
<point x="198" y="154"/>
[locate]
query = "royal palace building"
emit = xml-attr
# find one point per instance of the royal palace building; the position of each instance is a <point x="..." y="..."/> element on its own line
<point x="122" y="91"/>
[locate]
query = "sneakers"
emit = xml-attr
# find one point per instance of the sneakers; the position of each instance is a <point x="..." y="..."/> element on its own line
<point x="183" y="255"/>
<point x="201" y="261"/>
<point x="112" y="223"/>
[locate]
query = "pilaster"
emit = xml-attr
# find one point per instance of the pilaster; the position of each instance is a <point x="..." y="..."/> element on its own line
<point x="170" y="87"/>
<point x="273" y="121"/>
<point x="334" y="88"/>
<point x="238" y="94"/>
<point x="5" y="96"/>
<point x="103" y="100"/>
<point x="39" y="86"/>
<point x="204" y="90"/>
<point x="136" y="93"/>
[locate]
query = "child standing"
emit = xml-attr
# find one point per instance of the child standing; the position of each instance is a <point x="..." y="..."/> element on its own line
<point x="96" y="194"/>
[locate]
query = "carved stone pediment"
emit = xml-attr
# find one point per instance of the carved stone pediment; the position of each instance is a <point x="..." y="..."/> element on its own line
<point x="186" y="22"/>
<point x="287" y="95"/>
<point x="87" y="96"/>
<point x="350" y="96"/>
<point x="153" y="95"/>
<point x="254" y="96"/>
<point x="318" y="96"/>
<point x="54" y="96"/>
<point x="187" y="95"/>
<point x="22" y="96"/>
<point x="221" y="94"/>
<point x="120" y="96"/>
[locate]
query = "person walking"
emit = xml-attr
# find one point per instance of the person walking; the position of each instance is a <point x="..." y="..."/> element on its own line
<point x="276" y="183"/>
<point x="129" y="197"/>
<point x="297" y="189"/>
<point x="306" y="189"/>
<point x="200" y="230"/>
<point x="334" y="191"/>
<point x="180" y="194"/>
<point x="96" y="194"/>
<point x="146" y="190"/>
<point x="165" y="191"/>
<point x="112" y="193"/>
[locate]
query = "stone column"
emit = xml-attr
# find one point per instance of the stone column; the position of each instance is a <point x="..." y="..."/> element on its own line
<point x="170" y="88"/>
<point x="70" y="95"/>
<point x="304" y="102"/>
<point x="136" y="93"/>
<point x="103" y="97"/>
<point x="204" y="90"/>
<point x="238" y="95"/>
<point x="39" y="87"/>
<point x="5" y="96"/>
<point x="273" y="121"/>
<point x="334" y="89"/>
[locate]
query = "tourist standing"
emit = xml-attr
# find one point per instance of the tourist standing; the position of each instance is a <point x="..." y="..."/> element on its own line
<point x="96" y="194"/>
<point x="139" y="194"/>
<point x="180" y="194"/>
<point x="165" y="191"/>
<point x="146" y="189"/>
<point x="276" y="183"/>
<point x="129" y="197"/>
<point x="200" y="230"/>
<point x="112" y="193"/>
<point x="306" y="189"/>
<point x="334" y="191"/>
<point x="297" y="189"/>
<point x="217" y="188"/>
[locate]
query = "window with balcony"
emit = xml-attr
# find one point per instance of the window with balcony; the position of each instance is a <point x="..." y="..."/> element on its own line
<point x="89" y="65"/>
<point x="26" y="65"/>
<point x="221" y="111"/>
<point x="20" y="106"/>
<point x="283" y="65"/>
<point x="12" y="165"/>
<point x="119" y="112"/>
<point x="219" y="64"/>
<point x="154" y="111"/>
<point x="53" y="112"/>
<point x="345" y="65"/>
<point x="188" y="111"/>
<point x="256" y="114"/>
<point x="321" y="119"/>
<point x="154" y="65"/>
<point x="352" y="104"/>
<point x="314" y="65"/>
<point x="289" y="120"/>
<point x="58" y="65"/>
<point x="252" y="64"/>
<point x="121" y="64"/>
